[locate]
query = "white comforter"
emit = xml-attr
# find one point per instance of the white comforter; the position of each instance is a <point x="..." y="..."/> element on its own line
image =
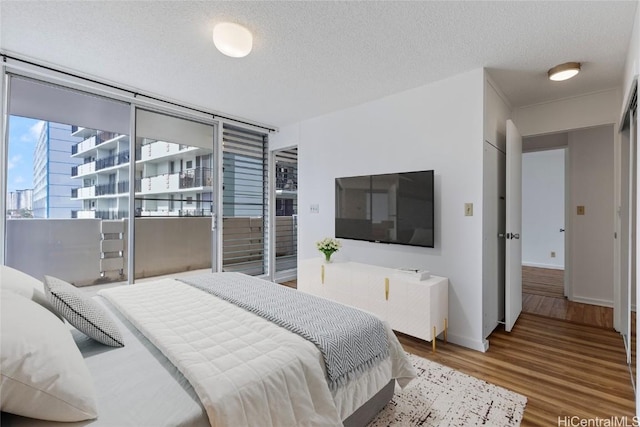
<point x="245" y="370"/>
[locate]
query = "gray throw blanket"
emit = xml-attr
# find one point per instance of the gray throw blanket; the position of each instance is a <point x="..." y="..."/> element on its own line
<point x="350" y="340"/>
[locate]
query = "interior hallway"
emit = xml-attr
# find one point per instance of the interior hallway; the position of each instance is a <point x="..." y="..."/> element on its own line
<point x="543" y="294"/>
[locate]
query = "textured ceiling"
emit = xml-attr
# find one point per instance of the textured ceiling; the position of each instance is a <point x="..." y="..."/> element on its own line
<point x="310" y="58"/>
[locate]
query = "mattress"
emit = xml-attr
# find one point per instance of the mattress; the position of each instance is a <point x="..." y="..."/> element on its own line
<point x="136" y="385"/>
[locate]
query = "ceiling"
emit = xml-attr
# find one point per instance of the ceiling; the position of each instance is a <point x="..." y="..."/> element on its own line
<point x="312" y="57"/>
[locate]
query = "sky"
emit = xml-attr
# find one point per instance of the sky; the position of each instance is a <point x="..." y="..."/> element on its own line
<point x="23" y="136"/>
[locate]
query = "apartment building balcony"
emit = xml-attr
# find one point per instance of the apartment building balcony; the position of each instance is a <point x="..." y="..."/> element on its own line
<point x="95" y="214"/>
<point x="79" y="244"/>
<point x="197" y="179"/>
<point x="83" y="214"/>
<point x="175" y="213"/>
<point x="84" y="169"/>
<point x="81" y="132"/>
<point x="118" y="159"/>
<point x="89" y="145"/>
<point x="160" y="149"/>
<point x="97" y="191"/>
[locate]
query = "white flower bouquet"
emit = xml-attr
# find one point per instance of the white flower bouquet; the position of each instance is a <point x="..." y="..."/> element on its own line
<point x="328" y="246"/>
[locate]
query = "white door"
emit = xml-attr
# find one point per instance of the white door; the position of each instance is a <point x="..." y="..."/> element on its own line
<point x="513" y="255"/>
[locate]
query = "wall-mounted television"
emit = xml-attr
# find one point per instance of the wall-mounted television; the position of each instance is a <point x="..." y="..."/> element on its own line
<point x="388" y="208"/>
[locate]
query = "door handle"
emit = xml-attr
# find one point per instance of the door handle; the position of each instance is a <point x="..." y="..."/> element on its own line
<point x="513" y="236"/>
<point x="562" y="230"/>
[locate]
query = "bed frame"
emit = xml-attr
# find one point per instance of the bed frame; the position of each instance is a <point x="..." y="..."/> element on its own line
<point x="367" y="412"/>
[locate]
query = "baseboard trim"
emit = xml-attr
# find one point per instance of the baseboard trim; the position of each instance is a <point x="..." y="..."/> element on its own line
<point x="538" y="265"/>
<point x="480" y="346"/>
<point x="592" y="301"/>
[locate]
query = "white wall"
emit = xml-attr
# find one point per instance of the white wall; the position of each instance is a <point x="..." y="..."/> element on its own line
<point x="496" y="112"/>
<point x="592" y="241"/>
<point x="595" y="109"/>
<point x="543" y="200"/>
<point x="632" y="63"/>
<point x="439" y="127"/>
<point x="632" y="68"/>
<point x="582" y="112"/>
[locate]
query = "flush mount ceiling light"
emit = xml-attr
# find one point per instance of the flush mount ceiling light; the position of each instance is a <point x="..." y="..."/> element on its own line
<point x="232" y="39"/>
<point x="564" y="71"/>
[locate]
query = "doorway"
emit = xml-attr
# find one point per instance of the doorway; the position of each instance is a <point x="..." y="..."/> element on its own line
<point x="285" y="201"/>
<point x="568" y="216"/>
<point x="543" y="224"/>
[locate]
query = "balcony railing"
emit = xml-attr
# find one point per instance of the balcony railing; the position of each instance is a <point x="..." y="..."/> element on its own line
<point x="83" y="192"/>
<point x="158" y="149"/>
<point x="84" y="168"/>
<point x="171" y="182"/>
<point x="198" y="177"/>
<point x="174" y="213"/>
<point x="112" y="214"/>
<point x="114" y="160"/>
<point x="112" y="188"/>
<point x="100" y="138"/>
<point x="243" y="245"/>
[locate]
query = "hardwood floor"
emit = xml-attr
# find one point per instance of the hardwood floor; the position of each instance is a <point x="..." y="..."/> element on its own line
<point x="543" y="281"/>
<point x="564" y="369"/>
<point x="543" y="294"/>
<point x="291" y="284"/>
<point x="562" y="308"/>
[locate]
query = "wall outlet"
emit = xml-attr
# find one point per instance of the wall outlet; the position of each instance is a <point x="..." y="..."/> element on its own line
<point x="314" y="208"/>
<point x="580" y="210"/>
<point x="553" y="254"/>
<point x="468" y="209"/>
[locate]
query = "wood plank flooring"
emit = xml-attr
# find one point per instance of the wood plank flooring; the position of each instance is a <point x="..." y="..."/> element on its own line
<point x="543" y="281"/>
<point x="562" y="308"/>
<point x="564" y="369"/>
<point x="543" y="294"/>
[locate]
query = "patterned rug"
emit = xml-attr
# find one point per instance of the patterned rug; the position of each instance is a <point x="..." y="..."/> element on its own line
<point x="441" y="396"/>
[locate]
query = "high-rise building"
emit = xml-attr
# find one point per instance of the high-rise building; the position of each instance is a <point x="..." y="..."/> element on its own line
<point x="52" y="163"/>
<point x="25" y="199"/>
<point x="172" y="179"/>
<point x="103" y="174"/>
<point x="20" y="199"/>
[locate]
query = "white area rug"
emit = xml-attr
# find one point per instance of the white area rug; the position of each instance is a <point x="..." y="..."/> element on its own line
<point x="441" y="396"/>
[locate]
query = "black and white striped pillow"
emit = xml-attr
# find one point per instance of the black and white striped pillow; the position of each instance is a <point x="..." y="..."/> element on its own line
<point x="82" y="312"/>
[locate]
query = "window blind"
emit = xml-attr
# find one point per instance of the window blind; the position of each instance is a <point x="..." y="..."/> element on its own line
<point x="286" y="209"/>
<point x="46" y="101"/>
<point x="244" y="201"/>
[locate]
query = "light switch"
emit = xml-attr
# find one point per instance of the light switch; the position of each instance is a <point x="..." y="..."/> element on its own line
<point x="314" y="208"/>
<point x="580" y="210"/>
<point x="468" y="209"/>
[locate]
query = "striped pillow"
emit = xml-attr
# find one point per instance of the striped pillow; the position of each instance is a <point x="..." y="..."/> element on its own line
<point x="82" y="312"/>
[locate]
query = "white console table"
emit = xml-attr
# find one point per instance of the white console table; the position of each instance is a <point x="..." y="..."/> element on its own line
<point x="415" y="307"/>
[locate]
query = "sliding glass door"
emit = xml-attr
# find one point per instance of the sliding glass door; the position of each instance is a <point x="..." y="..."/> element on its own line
<point x="286" y="214"/>
<point x="65" y="216"/>
<point x="103" y="187"/>
<point x="175" y="195"/>
<point x="245" y="183"/>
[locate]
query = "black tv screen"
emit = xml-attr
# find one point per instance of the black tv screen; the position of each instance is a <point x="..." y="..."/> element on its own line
<point x="388" y="208"/>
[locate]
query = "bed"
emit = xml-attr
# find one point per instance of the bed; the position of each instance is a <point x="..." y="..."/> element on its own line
<point x="195" y="358"/>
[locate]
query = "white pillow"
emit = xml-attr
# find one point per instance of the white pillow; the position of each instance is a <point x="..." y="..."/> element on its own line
<point x="82" y="312"/>
<point x="42" y="373"/>
<point x="25" y="285"/>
